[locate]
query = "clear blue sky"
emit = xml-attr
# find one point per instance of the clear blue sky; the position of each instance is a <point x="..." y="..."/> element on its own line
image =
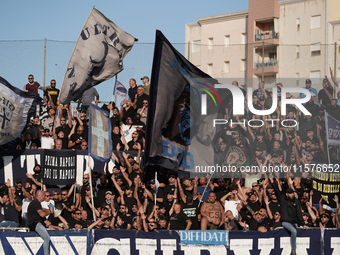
<point x="63" y="20"/>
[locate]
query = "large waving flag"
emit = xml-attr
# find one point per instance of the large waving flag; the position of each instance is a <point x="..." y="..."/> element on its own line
<point x="97" y="56"/>
<point x="100" y="142"/>
<point x="120" y="90"/>
<point x="16" y="108"/>
<point x="178" y="135"/>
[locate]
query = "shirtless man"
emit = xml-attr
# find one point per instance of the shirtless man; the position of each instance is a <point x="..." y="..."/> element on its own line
<point x="212" y="213"/>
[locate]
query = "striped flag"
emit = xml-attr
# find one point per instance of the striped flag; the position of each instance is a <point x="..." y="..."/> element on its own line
<point x="100" y="143"/>
<point x="16" y="108"/>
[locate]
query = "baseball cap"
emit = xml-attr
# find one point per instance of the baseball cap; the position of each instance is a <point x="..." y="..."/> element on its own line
<point x="152" y="181"/>
<point x="289" y="191"/>
<point x="18" y="180"/>
<point x="144" y="77"/>
<point x="308" y="81"/>
<point x="258" y="212"/>
<point x="108" y="192"/>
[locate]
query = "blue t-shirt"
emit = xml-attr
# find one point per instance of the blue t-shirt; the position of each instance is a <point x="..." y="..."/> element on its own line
<point x="311" y="90"/>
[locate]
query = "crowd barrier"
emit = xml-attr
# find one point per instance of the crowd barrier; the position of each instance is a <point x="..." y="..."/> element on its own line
<point x="126" y="242"/>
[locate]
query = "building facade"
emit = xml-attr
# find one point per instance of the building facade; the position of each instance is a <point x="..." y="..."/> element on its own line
<point x="287" y="41"/>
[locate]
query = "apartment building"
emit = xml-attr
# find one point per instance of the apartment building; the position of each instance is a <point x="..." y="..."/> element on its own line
<point x="273" y="40"/>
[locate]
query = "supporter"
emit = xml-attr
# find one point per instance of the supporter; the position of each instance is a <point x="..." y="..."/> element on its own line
<point x="139" y="125"/>
<point x="203" y="187"/>
<point x="83" y="146"/>
<point x="128" y="130"/>
<point x="33" y="86"/>
<point x="36" y="220"/>
<point x="89" y="96"/>
<point x="133" y="89"/>
<point x="178" y="219"/>
<point x="143" y="111"/>
<point x="116" y="137"/>
<point x="59" y="144"/>
<point x="47" y="142"/>
<point x="67" y="203"/>
<point x="65" y="127"/>
<point x="310" y="89"/>
<point x="116" y="118"/>
<point x="36" y="178"/>
<point x="230" y="202"/>
<point x="9" y="207"/>
<point x="140" y="97"/>
<point x="53" y="92"/>
<point x="76" y="139"/>
<point x="132" y="145"/>
<point x="145" y="80"/>
<point x="230" y="222"/>
<point x="212" y="213"/>
<point x="77" y="219"/>
<point x="323" y="95"/>
<point x="128" y="111"/>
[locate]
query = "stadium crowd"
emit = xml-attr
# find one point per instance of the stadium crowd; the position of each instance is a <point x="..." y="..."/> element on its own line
<point x="126" y="198"/>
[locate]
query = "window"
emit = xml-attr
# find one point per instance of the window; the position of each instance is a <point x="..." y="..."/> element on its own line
<point x="210" y="69"/>
<point x="244" y="38"/>
<point x="315" y="74"/>
<point x="243" y="65"/>
<point x="297" y="51"/>
<point x="226" y="67"/>
<point x="226" y="40"/>
<point x="196" y="46"/>
<point x="297" y="24"/>
<point x="210" y="43"/>
<point x="315" y="22"/>
<point x="315" y="49"/>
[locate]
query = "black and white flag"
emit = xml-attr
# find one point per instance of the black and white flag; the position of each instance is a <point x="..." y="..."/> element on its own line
<point x="16" y="107"/>
<point x="97" y="56"/>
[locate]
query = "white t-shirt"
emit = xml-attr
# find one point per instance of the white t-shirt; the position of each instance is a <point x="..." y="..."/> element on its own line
<point x="45" y="204"/>
<point x="127" y="132"/>
<point x="231" y="206"/>
<point x="47" y="143"/>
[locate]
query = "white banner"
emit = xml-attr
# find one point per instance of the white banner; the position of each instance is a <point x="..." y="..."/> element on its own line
<point x="97" y="56"/>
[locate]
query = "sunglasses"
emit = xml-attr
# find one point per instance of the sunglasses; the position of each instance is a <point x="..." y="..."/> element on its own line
<point x="47" y="195"/>
<point x="324" y="216"/>
<point x="53" y="83"/>
<point x="63" y="194"/>
<point x="85" y="178"/>
<point x="78" y="213"/>
<point x="255" y="186"/>
<point x="122" y="208"/>
<point x="145" y="103"/>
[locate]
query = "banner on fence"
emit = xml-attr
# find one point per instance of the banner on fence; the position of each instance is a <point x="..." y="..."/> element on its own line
<point x="15" y="164"/>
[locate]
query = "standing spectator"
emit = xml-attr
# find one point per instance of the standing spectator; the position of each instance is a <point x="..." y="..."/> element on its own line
<point x="54" y="93"/>
<point x="36" y="178"/>
<point x="33" y="86"/>
<point x="36" y="219"/>
<point x="11" y="216"/>
<point x="310" y="89"/>
<point x="133" y="89"/>
<point x="143" y="111"/>
<point x="128" y="111"/>
<point x="178" y="219"/>
<point x="89" y="96"/>
<point x="116" y="118"/>
<point x="212" y="213"/>
<point x="140" y="97"/>
<point x="323" y="96"/>
<point x="145" y="80"/>
<point x="291" y="215"/>
<point x="76" y="139"/>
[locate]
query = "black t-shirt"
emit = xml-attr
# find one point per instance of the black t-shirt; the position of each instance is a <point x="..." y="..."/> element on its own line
<point x="192" y="212"/>
<point x="33" y="215"/>
<point x="76" y="137"/>
<point x="129" y="113"/>
<point x="140" y="100"/>
<point x="115" y="121"/>
<point x="132" y="143"/>
<point x="38" y="177"/>
<point x="323" y="97"/>
<point x="54" y="94"/>
<point x="10" y="212"/>
<point x="66" y="129"/>
<point x="178" y="221"/>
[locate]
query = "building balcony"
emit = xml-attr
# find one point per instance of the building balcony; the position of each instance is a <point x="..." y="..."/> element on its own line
<point x="260" y="35"/>
<point x="270" y="67"/>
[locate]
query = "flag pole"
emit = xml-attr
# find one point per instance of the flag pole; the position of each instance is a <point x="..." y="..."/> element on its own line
<point x="90" y="177"/>
<point x="326" y="126"/>
<point x="116" y="88"/>
<point x="155" y="188"/>
<point x="205" y="189"/>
